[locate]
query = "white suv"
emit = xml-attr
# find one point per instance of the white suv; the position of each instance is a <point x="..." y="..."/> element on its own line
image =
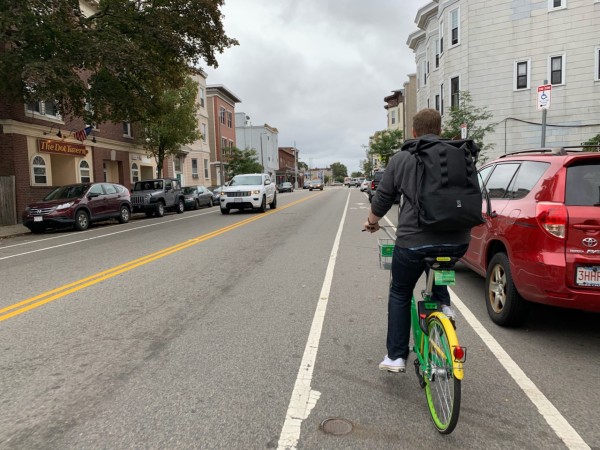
<point x="249" y="191"/>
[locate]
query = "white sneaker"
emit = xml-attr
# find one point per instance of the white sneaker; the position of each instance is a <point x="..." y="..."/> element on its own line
<point x="447" y="309"/>
<point x="393" y="365"/>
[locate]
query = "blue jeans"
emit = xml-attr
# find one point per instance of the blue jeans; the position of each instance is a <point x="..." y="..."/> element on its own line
<point x="407" y="268"/>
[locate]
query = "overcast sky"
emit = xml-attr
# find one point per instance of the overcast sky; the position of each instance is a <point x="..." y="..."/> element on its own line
<point x="318" y="70"/>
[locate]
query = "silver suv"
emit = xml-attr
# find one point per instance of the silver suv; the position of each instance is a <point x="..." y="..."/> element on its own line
<point x="249" y="191"/>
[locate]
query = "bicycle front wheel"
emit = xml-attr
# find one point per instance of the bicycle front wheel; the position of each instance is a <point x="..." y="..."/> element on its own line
<point x="442" y="388"/>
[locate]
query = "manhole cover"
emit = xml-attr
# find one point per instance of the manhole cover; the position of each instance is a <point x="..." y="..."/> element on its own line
<point x="337" y="427"/>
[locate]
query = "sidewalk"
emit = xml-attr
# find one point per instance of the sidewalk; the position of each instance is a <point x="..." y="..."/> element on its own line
<point x="13" y="230"/>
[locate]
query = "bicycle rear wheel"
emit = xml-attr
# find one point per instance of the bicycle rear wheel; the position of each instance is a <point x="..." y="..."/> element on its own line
<point x="442" y="387"/>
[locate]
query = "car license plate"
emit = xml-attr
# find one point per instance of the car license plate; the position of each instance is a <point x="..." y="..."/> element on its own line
<point x="587" y="276"/>
<point x="237" y="200"/>
<point x="37" y="218"/>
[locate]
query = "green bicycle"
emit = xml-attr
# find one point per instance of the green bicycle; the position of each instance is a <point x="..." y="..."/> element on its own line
<point x="439" y="357"/>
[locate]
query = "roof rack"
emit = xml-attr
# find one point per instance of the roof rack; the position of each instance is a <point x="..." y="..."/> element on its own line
<point x="560" y="151"/>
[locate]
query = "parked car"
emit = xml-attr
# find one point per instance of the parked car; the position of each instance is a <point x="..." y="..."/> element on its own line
<point x="77" y="206"/>
<point x="216" y="191"/>
<point x="539" y="242"/>
<point x="364" y="185"/>
<point x="197" y="196"/>
<point x="377" y="176"/>
<point x="249" y="191"/>
<point x="315" y="184"/>
<point x="306" y="184"/>
<point x="286" y="186"/>
<point x="154" y="197"/>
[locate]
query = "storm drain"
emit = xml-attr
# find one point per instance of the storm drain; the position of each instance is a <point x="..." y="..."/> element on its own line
<point x="337" y="427"/>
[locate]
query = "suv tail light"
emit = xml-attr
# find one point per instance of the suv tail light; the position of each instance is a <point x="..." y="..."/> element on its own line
<point x="553" y="218"/>
<point x="372" y="185"/>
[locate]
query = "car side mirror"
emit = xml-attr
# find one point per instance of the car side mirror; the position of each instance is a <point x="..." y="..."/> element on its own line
<point x="267" y="182"/>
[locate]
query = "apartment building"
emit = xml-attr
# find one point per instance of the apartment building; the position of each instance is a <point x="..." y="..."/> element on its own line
<point x="500" y="52"/>
<point x="262" y="138"/>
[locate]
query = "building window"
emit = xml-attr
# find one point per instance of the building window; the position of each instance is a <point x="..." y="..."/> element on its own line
<point x="177" y="164"/>
<point x="204" y="132"/>
<point x="393" y="116"/>
<point x="437" y="102"/>
<point x="127" y="130"/>
<point x="201" y="96"/>
<point x="194" y="168"/>
<point x="39" y="170"/>
<point x="206" y="168"/>
<point x="437" y="53"/>
<point x="424" y="72"/>
<point x="84" y="172"/>
<point x="557" y="69"/>
<point x="223" y="146"/>
<point x="43" y="109"/>
<point x="556" y="4"/>
<point x="522" y="74"/>
<point x="597" y="71"/>
<point x="222" y="115"/>
<point x="442" y="99"/>
<point x="135" y="172"/>
<point x="229" y="119"/>
<point x="454" y="92"/>
<point x="441" y="38"/>
<point x="455" y="26"/>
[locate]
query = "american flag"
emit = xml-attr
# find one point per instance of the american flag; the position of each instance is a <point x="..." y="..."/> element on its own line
<point x="82" y="134"/>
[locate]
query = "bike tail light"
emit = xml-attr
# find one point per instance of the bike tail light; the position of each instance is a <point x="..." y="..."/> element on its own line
<point x="553" y="218"/>
<point x="460" y="353"/>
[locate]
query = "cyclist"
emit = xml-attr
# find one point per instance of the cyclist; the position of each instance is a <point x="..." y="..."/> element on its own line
<point x="412" y="242"/>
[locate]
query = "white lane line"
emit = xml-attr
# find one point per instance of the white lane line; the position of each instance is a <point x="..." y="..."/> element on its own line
<point x="89" y="239"/>
<point x="557" y="422"/>
<point x="303" y="398"/>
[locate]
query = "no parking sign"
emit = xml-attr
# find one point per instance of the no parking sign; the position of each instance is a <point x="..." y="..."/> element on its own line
<point x="543" y="96"/>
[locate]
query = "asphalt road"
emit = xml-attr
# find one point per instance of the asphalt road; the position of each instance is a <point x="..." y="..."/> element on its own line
<point x="247" y="331"/>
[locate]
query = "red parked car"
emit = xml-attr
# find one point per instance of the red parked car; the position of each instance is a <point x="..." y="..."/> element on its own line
<point x="77" y="206"/>
<point x="541" y="238"/>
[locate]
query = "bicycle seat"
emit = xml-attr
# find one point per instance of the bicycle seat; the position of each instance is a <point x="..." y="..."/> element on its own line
<point x="441" y="262"/>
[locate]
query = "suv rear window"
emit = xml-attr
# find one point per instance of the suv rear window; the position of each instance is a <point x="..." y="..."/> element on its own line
<point x="583" y="185"/>
<point x="377" y="176"/>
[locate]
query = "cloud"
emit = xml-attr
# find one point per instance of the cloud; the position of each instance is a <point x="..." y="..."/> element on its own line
<point x="318" y="70"/>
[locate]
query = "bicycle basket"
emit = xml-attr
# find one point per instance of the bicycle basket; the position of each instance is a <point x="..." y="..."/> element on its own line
<point x="386" y="250"/>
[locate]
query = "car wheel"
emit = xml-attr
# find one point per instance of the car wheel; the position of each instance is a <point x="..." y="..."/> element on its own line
<point x="82" y="220"/>
<point x="160" y="209"/>
<point x="180" y="206"/>
<point x="224" y="211"/>
<point x="505" y="305"/>
<point x="211" y="203"/>
<point x="197" y="204"/>
<point x="124" y="214"/>
<point x="274" y="202"/>
<point x="263" y="205"/>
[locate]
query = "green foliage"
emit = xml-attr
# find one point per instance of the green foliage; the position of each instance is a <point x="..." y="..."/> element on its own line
<point x="472" y="116"/>
<point x="326" y="179"/>
<point x="338" y="170"/>
<point x="385" y="143"/>
<point x="302" y="166"/>
<point x="592" y="141"/>
<point x="171" y="123"/>
<point x="357" y="174"/>
<point x="367" y="167"/>
<point x="242" y="161"/>
<point x="120" y="59"/>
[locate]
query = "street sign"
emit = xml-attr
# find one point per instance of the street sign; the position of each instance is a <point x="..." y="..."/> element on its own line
<point x="543" y="96"/>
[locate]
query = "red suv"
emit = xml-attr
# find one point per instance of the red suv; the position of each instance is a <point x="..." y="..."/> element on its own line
<point x="540" y="240"/>
<point x="78" y="205"/>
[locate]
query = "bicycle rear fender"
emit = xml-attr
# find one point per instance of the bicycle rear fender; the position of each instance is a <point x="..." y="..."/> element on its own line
<point x="457" y="366"/>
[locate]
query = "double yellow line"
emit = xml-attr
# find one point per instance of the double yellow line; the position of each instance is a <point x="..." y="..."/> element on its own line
<point x="49" y="296"/>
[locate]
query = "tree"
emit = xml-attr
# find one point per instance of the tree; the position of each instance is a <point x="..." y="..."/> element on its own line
<point x="592" y="141"/>
<point x="118" y="59"/>
<point x="171" y="123"/>
<point x="243" y="161"/>
<point x="471" y="116"/>
<point x="357" y="174"/>
<point x="385" y="143"/>
<point x="338" y="171"/>
<point x="302" y="166"/>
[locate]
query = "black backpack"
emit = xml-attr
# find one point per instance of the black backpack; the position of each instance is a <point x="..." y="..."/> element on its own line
<point x="448" y="195"/>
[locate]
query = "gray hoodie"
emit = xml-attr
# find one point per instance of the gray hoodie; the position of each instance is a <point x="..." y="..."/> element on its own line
<point x="400" y="176"/>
